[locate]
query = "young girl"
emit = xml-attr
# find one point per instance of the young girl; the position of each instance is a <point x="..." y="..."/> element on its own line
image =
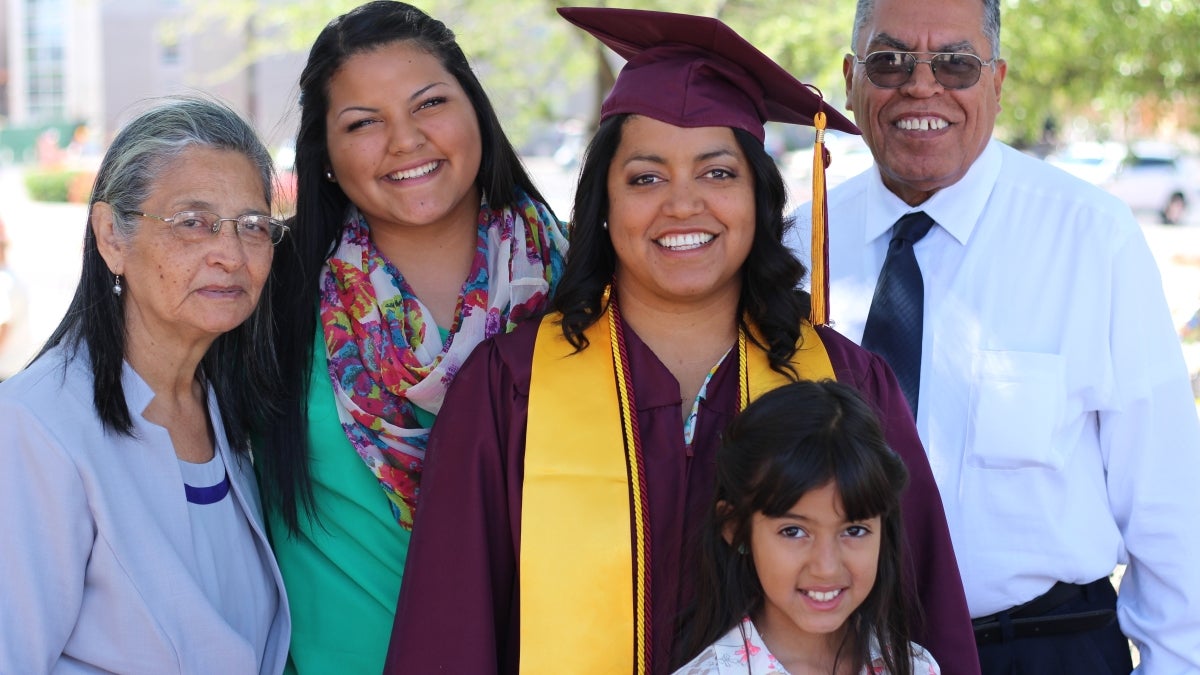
<point x="800" y="564"/>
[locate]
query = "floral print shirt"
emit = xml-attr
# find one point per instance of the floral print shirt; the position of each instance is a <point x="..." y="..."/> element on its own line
<point x="741" y="651"/>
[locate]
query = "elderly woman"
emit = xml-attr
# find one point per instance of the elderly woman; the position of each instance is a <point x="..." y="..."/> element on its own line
<point x="132" y="529"/>
<point x="573" y="462"/>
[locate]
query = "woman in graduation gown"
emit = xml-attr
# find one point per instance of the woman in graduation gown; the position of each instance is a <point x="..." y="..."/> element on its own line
<point x="572" y="463"/>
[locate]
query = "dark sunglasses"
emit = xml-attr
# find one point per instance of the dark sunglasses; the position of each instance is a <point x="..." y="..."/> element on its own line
<point x="952" y="70"/>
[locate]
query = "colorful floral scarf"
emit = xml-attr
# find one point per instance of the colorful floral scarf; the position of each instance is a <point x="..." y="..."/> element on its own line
<point x="386" y="357"/>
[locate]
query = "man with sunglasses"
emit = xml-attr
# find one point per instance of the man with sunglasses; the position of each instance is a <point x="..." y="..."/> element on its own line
<point x="1024" y="316"/>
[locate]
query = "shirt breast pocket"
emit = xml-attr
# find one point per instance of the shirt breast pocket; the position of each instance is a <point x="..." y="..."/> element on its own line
<point x="1016" y="407"/>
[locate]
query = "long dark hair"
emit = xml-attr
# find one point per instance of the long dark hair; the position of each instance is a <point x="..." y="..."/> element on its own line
<point x="240" y="364"/>
<point x="321" y="207"/>
<point x="769" y="275"/>
<point x="794" y="439"/>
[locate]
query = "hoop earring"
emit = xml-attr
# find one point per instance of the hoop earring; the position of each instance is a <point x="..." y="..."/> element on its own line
<point x="117" y="290"/>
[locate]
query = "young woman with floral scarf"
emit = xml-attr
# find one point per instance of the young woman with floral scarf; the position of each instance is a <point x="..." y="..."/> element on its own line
<point x="418" y="235"/>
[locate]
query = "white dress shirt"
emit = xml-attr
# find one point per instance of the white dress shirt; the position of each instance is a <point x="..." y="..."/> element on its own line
<point x="1055" y="403"/>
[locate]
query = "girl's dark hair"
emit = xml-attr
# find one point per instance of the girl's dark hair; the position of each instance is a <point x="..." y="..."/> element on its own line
<point x="769" y="275"/>
<point x="794" y="439"/>
<point x="321" y="208"/>
<point x="239" y="365"/>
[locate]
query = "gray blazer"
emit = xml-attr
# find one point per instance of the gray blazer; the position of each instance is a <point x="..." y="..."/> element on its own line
<point x="97" y="568"/>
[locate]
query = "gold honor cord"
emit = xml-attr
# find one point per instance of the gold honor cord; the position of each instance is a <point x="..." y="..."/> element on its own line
<point x="643" y="627"/>
<point x="743" y="372"/>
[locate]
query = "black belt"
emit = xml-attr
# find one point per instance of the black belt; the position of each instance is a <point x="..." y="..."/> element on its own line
<point x="1029" y="620"/>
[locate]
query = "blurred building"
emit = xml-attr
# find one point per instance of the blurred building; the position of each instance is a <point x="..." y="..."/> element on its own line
<point x="89" y="62"/>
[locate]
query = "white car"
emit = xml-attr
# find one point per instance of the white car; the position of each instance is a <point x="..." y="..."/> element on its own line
<point x="1094" y="162"/>
<point x="1150" y="176"/>
<point x="1153" y="178"/>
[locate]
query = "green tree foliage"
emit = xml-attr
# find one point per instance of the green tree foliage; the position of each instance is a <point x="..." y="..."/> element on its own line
<point x="1116" y="67"/>
<point x="1109" y="65"/>
<point x="532" y="62"/>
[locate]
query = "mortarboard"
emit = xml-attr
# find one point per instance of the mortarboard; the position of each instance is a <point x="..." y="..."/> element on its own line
<point x="695" y="71"/>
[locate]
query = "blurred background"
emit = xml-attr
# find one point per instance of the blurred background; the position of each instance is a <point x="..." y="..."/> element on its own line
<point x="1106" y="89"/>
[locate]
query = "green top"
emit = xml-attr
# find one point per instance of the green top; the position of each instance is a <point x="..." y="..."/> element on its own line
<point x="343" y="569"/>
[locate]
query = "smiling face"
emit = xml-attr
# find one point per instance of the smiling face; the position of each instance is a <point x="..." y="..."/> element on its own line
<point x="188" y="293"/>
<point x="924" y="136"/>
<point x="403" y="139"/>
<point x="681" y="213"/>
<point x="815" y="568"/>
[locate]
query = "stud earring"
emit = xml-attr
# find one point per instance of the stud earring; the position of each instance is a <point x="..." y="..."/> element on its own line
<point x="329" y="176"/>
<point x="117" y="286"/>
<point x="741" y="549"/>
<point x="604" y="226"/>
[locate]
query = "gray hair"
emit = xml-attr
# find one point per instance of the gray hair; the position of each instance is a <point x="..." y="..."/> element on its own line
<point x="991" y="24"/>
<point x="157" y="136"/>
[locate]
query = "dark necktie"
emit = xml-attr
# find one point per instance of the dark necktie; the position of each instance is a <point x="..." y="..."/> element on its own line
<point x="893" y="327"/>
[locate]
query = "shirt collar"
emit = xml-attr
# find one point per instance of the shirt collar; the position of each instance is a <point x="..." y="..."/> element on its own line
<point x="743" y="642"/>
<point x="138" y="394"/>
<point x="956" y="208"/>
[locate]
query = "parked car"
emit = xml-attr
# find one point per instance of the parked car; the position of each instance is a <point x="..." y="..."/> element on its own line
<point x="1151" y="176"/>
<point x="1094" y="162"/>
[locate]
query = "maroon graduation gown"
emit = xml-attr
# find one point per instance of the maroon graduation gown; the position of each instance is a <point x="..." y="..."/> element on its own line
<point x="458" y="610"/>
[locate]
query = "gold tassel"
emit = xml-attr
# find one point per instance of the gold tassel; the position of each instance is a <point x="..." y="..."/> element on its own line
<point x="819" y="274"/>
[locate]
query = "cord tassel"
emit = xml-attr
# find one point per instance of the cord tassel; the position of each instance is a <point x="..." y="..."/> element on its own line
<point x="819" y="274"/>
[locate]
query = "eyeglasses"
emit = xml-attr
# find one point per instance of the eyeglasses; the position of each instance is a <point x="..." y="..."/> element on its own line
<point x="198" y="226"/>
<point x="952" y="70"/>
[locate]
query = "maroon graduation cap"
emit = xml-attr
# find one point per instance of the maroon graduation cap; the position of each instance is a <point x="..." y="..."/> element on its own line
<point x="694" y="71"/>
